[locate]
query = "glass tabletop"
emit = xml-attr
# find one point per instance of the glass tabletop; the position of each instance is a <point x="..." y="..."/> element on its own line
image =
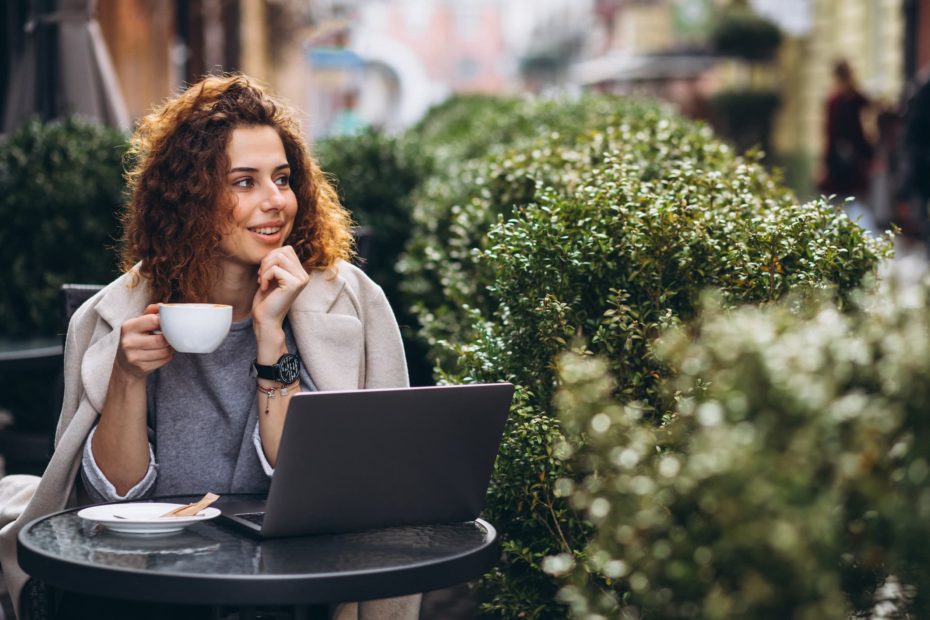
<point x="210" y="561"/>
<point x="212" y="548"/>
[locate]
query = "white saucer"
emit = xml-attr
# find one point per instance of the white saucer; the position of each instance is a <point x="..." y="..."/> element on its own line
<point x="143" y="517"/>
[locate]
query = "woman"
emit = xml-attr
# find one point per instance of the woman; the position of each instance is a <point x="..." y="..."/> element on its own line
<point x="848" y="153"/>
<point x="226" y="207"/>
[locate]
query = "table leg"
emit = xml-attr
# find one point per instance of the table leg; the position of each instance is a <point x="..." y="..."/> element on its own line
<point x="311" y="612"/>
<point x="296" y="612"/>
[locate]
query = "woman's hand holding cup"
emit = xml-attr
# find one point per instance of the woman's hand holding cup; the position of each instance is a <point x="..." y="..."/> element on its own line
<point x="141" y="350"/>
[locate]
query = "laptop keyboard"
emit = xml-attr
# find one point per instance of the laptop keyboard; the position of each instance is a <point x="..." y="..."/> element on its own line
<point x="252" y="517"/>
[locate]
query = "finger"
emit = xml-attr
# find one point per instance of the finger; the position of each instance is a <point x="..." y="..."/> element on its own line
<point x="289" y="259"/>
<point x="263" y="273"/>
<point x="139" y="357"/>
<point x="135" y="348"/>
<point x="284" y="257"/>
<point x="267" y="263"/>
<point x="140" y="324"/>
<point x="152" y="309"/>
<point x="146" y="326"/>
<point x="287" y="254"/>
<point x="149" y="342"/>
<point x="283" y="278"/>
<point x="275" y="274"/>
<point x="290" y="263"/>
<point x="266" y="277"/>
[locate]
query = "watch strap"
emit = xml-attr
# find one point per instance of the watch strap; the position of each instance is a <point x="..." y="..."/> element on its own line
<point x="264" y="372"/>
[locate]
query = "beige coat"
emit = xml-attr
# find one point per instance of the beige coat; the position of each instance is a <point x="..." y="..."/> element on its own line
<point x="347" y="336"/>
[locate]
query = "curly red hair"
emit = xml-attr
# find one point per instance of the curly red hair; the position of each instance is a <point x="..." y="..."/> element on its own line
<point x="179" y="202"/>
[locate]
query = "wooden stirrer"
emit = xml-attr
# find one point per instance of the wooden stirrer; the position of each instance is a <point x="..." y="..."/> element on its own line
<point x="191" y="509"/>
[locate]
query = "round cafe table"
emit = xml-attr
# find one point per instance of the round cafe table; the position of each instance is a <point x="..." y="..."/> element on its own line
<point x="212" y="564"/>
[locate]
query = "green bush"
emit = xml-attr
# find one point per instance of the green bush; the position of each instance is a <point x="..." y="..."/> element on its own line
<point x="742" y="33"/>
<point x="468" y="126"/>
<point x="790" y="482"/>
<point x="375" y="175"/>
<point x="490" y="154"/>
<point x="61" y="188"/>
<point x="604" y="235"/>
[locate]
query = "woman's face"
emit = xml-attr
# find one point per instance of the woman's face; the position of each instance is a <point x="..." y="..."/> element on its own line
<point x="264" y="206"/>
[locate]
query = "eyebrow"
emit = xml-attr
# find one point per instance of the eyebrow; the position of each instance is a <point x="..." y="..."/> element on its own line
<point x="247" y="169"/>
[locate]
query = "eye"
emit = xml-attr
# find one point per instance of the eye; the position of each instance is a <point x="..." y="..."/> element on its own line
<point x="283" y="181"/>
<point x="244" y="182"/>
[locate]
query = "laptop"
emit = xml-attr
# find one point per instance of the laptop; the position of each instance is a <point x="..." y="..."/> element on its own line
<point x="366" y="459"/>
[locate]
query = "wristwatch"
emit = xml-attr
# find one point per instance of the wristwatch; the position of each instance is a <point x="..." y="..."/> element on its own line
<point x="285" y="371"/>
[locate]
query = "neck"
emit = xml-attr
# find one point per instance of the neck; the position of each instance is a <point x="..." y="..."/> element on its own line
<point x="236" y="287"/>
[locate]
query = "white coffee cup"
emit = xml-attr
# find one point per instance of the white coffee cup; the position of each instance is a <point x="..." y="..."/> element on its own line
<point x="195" y="328"/>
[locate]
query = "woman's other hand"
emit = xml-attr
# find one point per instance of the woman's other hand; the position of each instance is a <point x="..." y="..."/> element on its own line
<point x="281" y="278"/>
<point x="141" y="351"/>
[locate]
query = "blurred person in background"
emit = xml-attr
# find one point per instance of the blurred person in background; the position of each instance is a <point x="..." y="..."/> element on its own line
<point x="848" y="154"/>
<point x="915" y="156"/>
<point x="347" y="121"/>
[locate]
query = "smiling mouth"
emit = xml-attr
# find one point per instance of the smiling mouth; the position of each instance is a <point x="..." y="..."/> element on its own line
<point x="268" y="231"/>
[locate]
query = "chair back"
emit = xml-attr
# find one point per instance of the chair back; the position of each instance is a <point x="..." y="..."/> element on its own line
<point x="73" y="295"/>
<point x="27" y="445"/>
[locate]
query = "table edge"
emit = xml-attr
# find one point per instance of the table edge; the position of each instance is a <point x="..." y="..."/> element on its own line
<point x="193" y="588"/>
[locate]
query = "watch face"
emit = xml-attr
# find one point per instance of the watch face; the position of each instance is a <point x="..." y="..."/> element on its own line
<point x="288" y="368"/>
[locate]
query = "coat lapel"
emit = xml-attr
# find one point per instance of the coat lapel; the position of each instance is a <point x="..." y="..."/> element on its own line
<point x="331" y="344"/>
<point x="119" y="305"/>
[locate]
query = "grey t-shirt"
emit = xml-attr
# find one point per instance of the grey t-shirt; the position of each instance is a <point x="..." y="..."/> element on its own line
<point x="202" y="417"/>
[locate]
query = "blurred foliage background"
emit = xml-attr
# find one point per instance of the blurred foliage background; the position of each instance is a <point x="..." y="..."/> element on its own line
<point x="790" y="482"/>
<point x="592" y="225"/>
<point x="62" y="189"/>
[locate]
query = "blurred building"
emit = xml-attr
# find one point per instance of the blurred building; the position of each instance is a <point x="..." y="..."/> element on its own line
<point x="157" y="46"/>
<point x="654" y="48"/>
<point x="869" y="34"/>
<point x="151" y="48"/>
<point x="661" y="48"/>
<point x="402" y="56"/>
<point x="346" y="63"/>
<point x="349" y="64"/>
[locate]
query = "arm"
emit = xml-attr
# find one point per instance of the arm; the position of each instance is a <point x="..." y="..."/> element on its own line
<point x="120" y="443"/>
<point x="281" y="278"/>
<point x="272" y="409"/>
<point x="99" y="488"/>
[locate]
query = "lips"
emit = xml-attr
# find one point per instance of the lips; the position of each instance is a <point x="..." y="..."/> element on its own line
<point x="266" y="231"/>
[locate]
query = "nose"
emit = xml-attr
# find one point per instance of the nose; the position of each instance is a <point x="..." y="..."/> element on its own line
<point x="274" y="200"/>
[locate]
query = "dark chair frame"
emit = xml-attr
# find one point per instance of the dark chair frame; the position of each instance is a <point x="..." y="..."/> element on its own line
<point x="73" y="295"/>
<point x="27" y="450"/>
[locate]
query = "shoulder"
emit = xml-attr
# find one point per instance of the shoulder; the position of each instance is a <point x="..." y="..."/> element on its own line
<point x="120" y="299"/>
<point x="355" y="278"/>
<point x="332" y="289"/>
